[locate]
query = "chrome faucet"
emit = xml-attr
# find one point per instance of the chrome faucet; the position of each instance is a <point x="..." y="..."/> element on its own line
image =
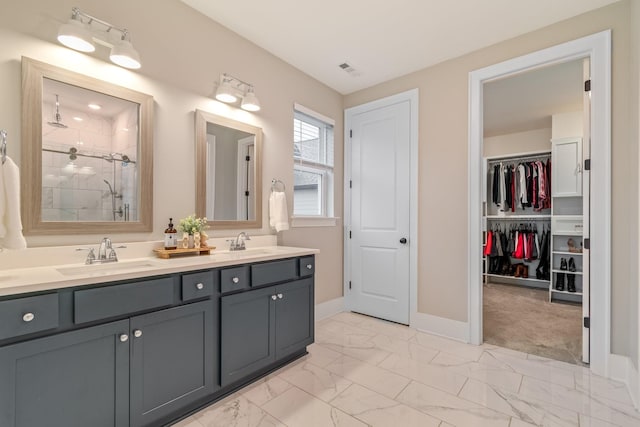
<point x="106" y="253"/>
<point x="237" y="244"/>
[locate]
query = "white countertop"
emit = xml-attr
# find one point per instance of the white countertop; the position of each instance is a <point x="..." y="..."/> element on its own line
<point x="42" y="278"/>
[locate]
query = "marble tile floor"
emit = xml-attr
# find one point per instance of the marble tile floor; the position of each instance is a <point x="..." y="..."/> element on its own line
<point x="363" y="371"/>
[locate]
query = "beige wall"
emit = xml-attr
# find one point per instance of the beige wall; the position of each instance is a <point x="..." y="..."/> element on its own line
<point x="514" y="143"/>
<point x="183" y="54"/>
<point x="442" y="271"/>
<point x="634" y="111"/>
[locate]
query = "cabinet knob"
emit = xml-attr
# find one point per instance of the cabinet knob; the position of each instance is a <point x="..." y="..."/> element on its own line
<point x="309" y="266"/>
<point x="273" y="297"/>
<point x="28" y="317"/>
<point x="124" y="337"/>
<point x="137" y="333"/>
<point x="199" y="286"/>
<point x="280" y="296"/>
<point x="235" y="280"/>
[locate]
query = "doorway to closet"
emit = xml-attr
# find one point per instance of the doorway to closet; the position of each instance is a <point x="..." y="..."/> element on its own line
<point x="535" y="268"/>
<point x="597" y="48"/>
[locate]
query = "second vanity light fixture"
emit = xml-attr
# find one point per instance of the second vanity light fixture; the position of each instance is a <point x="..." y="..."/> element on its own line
<point x="83" y="30"/>
<point x="231" y="89"/>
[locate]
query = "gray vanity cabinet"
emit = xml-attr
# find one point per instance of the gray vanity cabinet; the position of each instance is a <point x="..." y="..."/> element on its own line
<point x="171" y="361"/>
<point x="246" y="338"/>
<point x="261" y="326"/>
<point x="74" y="379"/>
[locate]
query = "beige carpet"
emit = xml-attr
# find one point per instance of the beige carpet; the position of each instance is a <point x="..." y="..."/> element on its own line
<point x="522" y="319"/>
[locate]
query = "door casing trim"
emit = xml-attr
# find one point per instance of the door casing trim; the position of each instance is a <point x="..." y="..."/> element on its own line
<point x="598" y="48"/>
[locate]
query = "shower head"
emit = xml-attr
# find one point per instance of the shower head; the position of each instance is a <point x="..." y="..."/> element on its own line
<point x="110" y="188"/>
<point x="58" y="118"/>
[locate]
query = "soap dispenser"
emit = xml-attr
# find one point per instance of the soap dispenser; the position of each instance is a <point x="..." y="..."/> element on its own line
<point x="170" y="236"/>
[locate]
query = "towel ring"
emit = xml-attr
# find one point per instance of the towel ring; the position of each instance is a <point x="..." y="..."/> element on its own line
<point x="274" y="185"/>
<point x="3" y="145"/>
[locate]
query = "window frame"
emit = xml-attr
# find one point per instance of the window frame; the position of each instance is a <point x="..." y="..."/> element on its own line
<point x="326" y="170"/>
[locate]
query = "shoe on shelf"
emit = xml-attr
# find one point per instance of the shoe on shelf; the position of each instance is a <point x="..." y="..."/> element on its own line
<point x="563" y="264"/>
<point x="571" y="282"/>
<point x="572" y="264"/>
<point x="560" y="281"/>
<point x="525" y="271"/>
<point x="518" y="272"/>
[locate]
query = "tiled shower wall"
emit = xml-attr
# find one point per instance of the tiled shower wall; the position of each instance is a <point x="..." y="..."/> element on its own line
<point x="74" y="190"/>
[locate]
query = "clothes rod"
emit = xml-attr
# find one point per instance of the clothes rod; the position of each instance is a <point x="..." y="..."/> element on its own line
<point x="513" y="159"/>
<point x="522" y="219"/>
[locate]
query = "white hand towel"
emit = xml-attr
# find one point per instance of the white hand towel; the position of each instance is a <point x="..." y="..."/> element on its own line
<point x="10" y="220"/>
<point x="278" y="215"/>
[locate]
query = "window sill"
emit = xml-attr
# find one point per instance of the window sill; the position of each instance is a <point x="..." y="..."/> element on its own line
<point x="313" y="221"/>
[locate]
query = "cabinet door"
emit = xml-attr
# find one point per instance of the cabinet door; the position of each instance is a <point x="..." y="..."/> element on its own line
<point x="247" y="333"/>
<point x="566" y="165"/>
<point x="294" y="317"/>
<point x="171" y="360"/>
<point x="78" y="378"/>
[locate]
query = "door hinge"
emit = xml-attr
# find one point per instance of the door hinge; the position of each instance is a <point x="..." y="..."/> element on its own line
<point x="586" y="322"/>
<point x="587" y="164"/>
<point x="349" y="233"/>
<point x="587" y="86"/>
<point x="248" y="158"/>
<point x="350" y="184"/>
<point x="246" y="193"/>
<point x="350" y="133"/>
<point x="587" y="243"/>
<point x="349" y="284"/>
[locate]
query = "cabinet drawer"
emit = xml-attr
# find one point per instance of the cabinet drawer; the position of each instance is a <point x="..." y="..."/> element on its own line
<point x="27" y="315"/>
<point x="568" y="226"/>
<point x="307" y="265"/>
<point x="116" y="300"/>
<point x="234" y="279"/>
<point x="273" y="272"/>
<point x="197" y="285"/>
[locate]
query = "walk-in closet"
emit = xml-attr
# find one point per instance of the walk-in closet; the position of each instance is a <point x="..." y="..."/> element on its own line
<point x="535" y="224"/>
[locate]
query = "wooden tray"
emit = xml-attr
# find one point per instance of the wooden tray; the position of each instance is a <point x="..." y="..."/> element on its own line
<point x="168" y="253"/>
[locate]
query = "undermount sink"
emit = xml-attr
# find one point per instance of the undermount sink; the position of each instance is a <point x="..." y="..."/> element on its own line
<point x="246" y="253"/>
<point x="101" y="269"/>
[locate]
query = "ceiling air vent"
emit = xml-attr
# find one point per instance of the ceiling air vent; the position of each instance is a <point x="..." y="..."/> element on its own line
<point x="350" y="69"/>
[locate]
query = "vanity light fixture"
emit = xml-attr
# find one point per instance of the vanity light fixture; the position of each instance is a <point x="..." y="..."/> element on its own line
<point x="83" y="30"/>
<point x="94" y="106"/>
<point x="231" y="89"/>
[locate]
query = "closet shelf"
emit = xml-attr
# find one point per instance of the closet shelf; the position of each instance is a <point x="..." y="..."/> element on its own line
<point x="521" y="217"/>
<point x="568" y="253"/>
<point x="568" y="233"/>
<point x="579" y="273"/>
<point x="566" y="292"/>
<point x="502" y="276"/>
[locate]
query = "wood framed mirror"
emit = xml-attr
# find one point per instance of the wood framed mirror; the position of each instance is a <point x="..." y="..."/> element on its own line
<point x="228" y="172"/>
<point x="87" y="154"/>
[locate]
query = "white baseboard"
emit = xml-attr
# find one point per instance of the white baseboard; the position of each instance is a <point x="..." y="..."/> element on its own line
<point x="441" y="326"/>
<point x="622" y="369"/>
<point x="329" y="308"/>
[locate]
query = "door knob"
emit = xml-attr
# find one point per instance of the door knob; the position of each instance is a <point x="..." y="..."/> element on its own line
<point x="28" y="317"/>
<point x="403" y="241"/>
<point x="137" y="333"/>
<point x="124" y="337"/>
<point x="280" y="296"/>
<point x="273" y="297"/>
<point x="200" y="286"/>
<point x="235" y="280"/>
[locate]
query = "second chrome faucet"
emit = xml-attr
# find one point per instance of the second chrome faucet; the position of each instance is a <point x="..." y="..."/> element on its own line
<point x="237" y="244"/>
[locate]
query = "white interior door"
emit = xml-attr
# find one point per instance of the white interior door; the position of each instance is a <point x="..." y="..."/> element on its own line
<point x="380" y="211"/>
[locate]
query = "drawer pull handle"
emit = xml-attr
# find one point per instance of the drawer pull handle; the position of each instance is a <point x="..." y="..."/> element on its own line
<point x="199" y="286"/>
<point x="137" y="333"/>
<point x="124" y="337"/>
<point x="273" y="297"/>
<point x="309" y="266"/>
<point x="28" y="317"/>
<point x="280" y="296"/>
<point x="235" y="280"/>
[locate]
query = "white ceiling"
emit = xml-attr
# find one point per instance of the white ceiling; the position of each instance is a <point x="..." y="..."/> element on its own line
<point x="382" y="39"/>
<point x="526" y="101"/>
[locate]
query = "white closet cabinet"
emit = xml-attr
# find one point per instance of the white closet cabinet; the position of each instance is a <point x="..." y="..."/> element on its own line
<point x="566" y="167"/>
